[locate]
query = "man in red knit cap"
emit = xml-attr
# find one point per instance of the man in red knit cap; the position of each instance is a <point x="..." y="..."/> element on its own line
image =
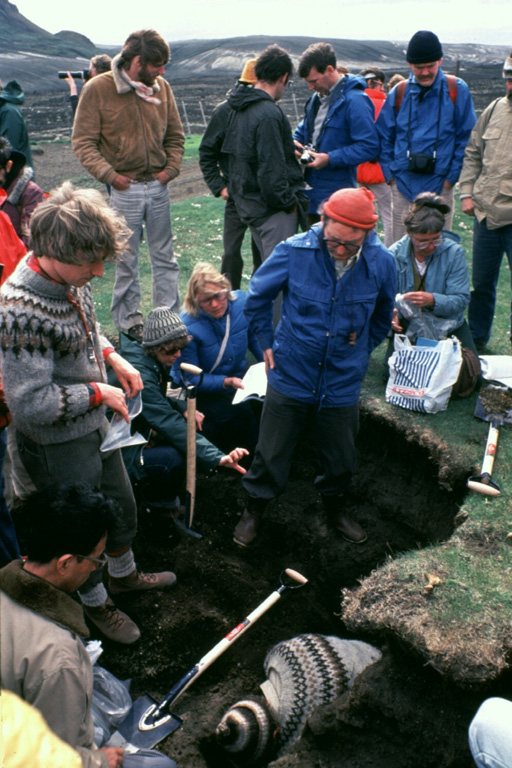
<point x="338" y="284"/>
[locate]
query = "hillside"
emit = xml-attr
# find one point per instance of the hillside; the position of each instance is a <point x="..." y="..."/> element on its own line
<point x="33" y="56"/>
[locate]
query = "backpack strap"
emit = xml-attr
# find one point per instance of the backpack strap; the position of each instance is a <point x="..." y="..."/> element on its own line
<point x="402" y="85"/>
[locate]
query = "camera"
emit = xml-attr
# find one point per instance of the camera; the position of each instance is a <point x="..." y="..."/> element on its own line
<point x="420" y="162"/>
<point x="306" y="158"/>
<point x="81" y="74"/>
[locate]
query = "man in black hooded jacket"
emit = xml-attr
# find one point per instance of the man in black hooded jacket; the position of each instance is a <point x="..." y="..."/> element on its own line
<point x="265" y="179"/>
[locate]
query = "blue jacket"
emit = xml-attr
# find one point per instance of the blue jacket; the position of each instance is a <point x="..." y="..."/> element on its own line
<point x="348" y="136"/>
<point x="314" y="362"/>
<point x="447" y="275"/>
<point x="207" y="334"/>
<point x="436" y="115"/>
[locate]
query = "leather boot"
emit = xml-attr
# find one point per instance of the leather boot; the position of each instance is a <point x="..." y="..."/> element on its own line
<point x="136" y="581"/>
<point x="113" y="623"/>
<point x="247" y="527"/>
<point x="349" y="529"/>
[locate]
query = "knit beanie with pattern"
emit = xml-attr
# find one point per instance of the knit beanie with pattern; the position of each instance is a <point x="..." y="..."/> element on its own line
<point x="354" y="207"/>
<point x="424" y="48"/>
<point x="162" y="325"/>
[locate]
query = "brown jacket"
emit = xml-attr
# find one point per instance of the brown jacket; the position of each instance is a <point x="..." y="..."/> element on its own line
<point x="117" y="132"/>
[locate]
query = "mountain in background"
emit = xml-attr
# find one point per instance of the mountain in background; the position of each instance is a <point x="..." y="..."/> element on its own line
<point x="33" y="56"/>
<point x="19" y="34"/>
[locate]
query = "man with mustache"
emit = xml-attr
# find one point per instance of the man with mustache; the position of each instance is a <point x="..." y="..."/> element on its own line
<point x="424" y="127"/>
<point x="128" y="134"/>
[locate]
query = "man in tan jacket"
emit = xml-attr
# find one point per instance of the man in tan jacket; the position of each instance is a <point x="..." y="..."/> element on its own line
<point x="128" y="134"/>
<point x="486" y="194"/>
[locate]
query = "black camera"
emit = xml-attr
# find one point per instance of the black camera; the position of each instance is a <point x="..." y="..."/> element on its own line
<point x="306" y="158"/>
<point x="81" y="74"/>
<point x="420" y="162"/>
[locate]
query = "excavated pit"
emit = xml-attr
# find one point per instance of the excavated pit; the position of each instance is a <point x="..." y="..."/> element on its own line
<point x="400" y="711"/>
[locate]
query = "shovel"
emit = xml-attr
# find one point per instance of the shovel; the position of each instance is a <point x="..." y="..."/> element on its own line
<point x="148" y="722"/>
<point x="190" y="394"/>
<point x="483" y="483"/>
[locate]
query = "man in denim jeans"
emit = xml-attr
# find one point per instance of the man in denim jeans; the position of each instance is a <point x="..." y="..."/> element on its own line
<point x="128" y="133"/>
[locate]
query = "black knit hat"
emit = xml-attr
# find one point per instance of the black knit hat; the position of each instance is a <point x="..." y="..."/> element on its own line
<point x="162" y="324"/>
<point x="424" y="47"/>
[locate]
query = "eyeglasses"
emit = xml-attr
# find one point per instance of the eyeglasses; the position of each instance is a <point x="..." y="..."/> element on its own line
<point x="350" y="247"/>
<point x="99" y="562"/>
<point x="220" y="296"/>
<point x="172" y="350"/>
<point x="423" y="246"/>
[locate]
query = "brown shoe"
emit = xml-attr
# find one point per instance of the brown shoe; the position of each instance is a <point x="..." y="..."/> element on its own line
<point x="113" y="623"/>
<point x="349" y="529"/>
<point x="136" y="581"/>
<point x="247" y="528"/>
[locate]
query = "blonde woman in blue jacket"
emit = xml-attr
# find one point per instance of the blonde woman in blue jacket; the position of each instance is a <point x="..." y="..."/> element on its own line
<point x="220" y="338"/>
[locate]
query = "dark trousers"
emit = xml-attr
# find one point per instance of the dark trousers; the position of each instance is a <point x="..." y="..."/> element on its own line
<point x="9" y="549"/>
<point x="282" y="422"/>
<point x="234" y="233"/>
<point x="163" y="474"/>
<point x="489" y="247"/>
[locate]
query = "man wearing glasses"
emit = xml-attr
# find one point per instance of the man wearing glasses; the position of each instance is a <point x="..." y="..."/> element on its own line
<point x="424" y="127"/>
<point x="44" y="660"/>
<point x="338" y="284"/>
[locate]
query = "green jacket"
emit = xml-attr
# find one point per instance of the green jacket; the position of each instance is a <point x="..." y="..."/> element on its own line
<point x="161" y="414"/>
<point x="487" y="171"/>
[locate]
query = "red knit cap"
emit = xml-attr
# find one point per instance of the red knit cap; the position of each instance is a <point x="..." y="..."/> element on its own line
<point x="354" y="207"/>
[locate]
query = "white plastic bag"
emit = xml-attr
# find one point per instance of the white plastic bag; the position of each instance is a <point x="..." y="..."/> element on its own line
<point x="111" y="702"/>
<point x="421" y="377"/>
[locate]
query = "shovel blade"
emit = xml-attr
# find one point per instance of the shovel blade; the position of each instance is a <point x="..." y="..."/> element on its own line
<point x="140" y="735"/>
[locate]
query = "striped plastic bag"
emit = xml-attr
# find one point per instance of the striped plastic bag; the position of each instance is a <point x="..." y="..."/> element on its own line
<point x="421" y="377"/>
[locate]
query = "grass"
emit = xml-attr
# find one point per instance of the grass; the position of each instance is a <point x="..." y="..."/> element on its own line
<point x="463" y="625"/>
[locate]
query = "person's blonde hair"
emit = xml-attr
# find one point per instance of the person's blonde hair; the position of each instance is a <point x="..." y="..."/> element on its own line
<point x="203" y="273"/>
<point x="77" y="226"/>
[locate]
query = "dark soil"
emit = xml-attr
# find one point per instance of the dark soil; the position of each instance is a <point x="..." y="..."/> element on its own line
<point x="398" y="713"/>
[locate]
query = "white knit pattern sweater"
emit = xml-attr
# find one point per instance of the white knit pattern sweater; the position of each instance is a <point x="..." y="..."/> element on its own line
<point x="47" y="357"/>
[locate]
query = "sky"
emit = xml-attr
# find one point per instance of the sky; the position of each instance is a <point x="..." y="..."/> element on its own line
<point x="109" y="22"/>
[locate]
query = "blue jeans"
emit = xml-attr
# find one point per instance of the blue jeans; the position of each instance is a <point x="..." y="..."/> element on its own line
<point x="163" y="473"/>
<point x="489" y="245"/>
<point x="490" y="734"/>
<point x="144" y="202"/>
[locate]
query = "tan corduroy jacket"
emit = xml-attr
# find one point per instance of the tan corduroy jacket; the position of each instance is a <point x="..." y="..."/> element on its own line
<point x="487" y="170"/>
<point x="117" y="132"/>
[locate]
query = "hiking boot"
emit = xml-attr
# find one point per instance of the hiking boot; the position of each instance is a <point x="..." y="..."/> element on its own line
<point x="136" y="581"/>
<point x="349" y="529"/>
<point x="248" y="526"/>
<point x="113" y="623"/>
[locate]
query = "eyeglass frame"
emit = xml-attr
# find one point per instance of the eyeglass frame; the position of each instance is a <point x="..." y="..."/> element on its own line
<point x="350" y="247"/>
<point x="219" y="296"/>
<point x="100" y="562"/>
<point x="423" y="246"/>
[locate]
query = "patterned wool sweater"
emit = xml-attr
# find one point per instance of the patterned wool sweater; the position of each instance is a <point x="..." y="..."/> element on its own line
<point x="48" y="358"/>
